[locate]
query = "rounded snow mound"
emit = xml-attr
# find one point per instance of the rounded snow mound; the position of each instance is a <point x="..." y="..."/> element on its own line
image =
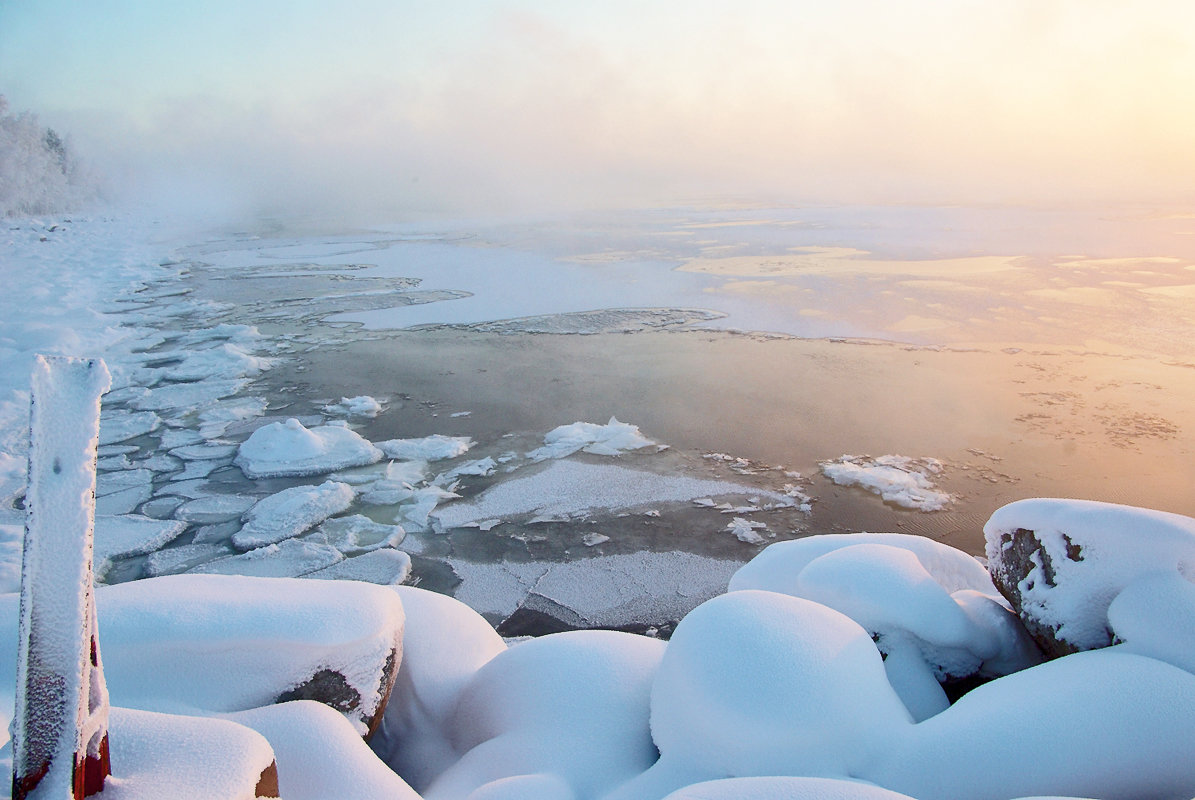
<point x="289" y="449"/>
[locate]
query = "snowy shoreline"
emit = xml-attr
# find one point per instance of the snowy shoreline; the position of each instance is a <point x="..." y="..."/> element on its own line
<point x="257" y="443"/>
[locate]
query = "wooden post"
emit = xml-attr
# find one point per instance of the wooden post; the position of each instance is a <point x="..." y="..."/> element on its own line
<point x="60" y="728"/>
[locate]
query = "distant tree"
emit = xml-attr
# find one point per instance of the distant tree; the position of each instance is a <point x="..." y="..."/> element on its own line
<point x="38" y="172"/>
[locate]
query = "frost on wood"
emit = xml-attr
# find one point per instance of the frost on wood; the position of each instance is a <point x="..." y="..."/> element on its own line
<point x="60" y="730"/>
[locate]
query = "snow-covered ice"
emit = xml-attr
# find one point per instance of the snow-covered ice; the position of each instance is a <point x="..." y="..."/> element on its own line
<point x="567" y="488"/>
<point x="290" y="512"/>
<point x="428" y="448"/>
<point x="289" y="448"/>
<point x="359" y="406"/>
<point x="130" y="535"/>
<point x="611" y="439"/>
<point x="900" y="480"/>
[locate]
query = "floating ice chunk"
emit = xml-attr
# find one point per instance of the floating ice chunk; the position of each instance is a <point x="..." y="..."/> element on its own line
<point x="130" y="535"/>
<point x="290" y="512"/>
<point x="120" y="426"/>
<point x="161" y="462"/>
<point x="215" y="420"/>
<point x="244" y="334"/>
<point x="429" y="448"/>
<point x="594" y="539"/>
<point x="178" y="437"/>
<point x="287" y="559"/>
<point x="457" y="414"/>
<point x="900" y="480"/>
<point x="288" y="448"/>
<point x="121" y="492"/>
<point x="114" y="464"/>
<point x="482" y="467"/>
<point x="397" y="483"/>
<point x="225" y="361"/>
<point x="359" y="406"/>
<point x="422" y="503"/>
<point x="181" y="559"/>
<point x="214" y="508"/>
<point x="359" y="534"/>
<point x="205" y="452"/>
<point x="198" y="469"/>
<point x="187" y="396"/>
<point x="383" y="567"/>
<point x="747" y="531"/>
<point x="612" y="439"/>
<point x="568" y="488"/>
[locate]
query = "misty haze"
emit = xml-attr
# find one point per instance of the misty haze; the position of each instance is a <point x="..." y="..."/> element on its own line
<point x="598" y="401"/>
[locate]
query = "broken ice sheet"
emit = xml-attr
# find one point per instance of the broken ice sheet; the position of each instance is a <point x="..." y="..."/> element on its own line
<point x="118" y="426"/>
<point x="287" y="559"/>
<point x="428" y="448"/>
<point x="359" y="534"/>
<point x="746" y="530"/>
<point x="567" y="489"/>
<point x="290" y="512"/>
<point x="383" y="567"/>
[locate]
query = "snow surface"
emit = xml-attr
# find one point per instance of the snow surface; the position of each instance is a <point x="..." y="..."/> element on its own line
<point x="288" y="448"/>
<point x="900" y="480"/>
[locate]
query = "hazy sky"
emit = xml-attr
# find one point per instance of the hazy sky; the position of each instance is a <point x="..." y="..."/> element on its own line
<point x="513" y="103"/>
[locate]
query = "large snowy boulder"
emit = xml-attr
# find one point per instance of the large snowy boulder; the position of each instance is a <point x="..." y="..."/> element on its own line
<point x="757" y="683"/>
<point x="784" y="788"/>
<point x="204" y="644"/>
<point x="1061" y="563"/>
<point x="287" y="448"/>
<point x="570" y="709"/>
<point x="931" y="609"/>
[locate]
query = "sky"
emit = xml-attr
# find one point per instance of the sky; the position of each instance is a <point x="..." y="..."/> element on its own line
<point x="475" y="104"/>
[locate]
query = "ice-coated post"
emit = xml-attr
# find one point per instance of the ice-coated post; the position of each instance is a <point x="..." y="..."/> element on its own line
<point x="60" y="726"/>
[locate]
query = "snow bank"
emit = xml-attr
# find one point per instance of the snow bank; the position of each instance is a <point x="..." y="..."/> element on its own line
<point x="900" y="480"/>
<point x="1069" y="559"/>
<point x="1103" y="723"/>
<point x="184" y="758"/>
<point x="757" y="684"/>
<point x="446" y="642"/>
<point x="573" y="706"/>
<point x="784" y="789"/>
<point x="320" y="755"/>
<point x="612" y="439"/>
<point x="288" y="448"/>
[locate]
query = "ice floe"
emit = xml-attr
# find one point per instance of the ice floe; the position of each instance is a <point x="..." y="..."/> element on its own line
<point x="428" y="448"/>
<point x="383" y="567"/>
<point x="212" y="508"/>
<point x="224" y="361"/>
<point x="359" y="534"/>
<point x="900" y="480"/>
<point x="611" y="439"/>
<point x="286" y="559"/>
<point x="129" y="535"/>
<point x="359" y="406"/>
<point x="291" y="512"/>
<point x="564" y="489"/>
<point x="289" y="448"/>
<point x="119" y="426"/>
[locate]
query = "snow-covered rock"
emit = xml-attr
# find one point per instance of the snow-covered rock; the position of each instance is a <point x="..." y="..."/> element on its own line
<point x="1061" y="563"/>
<point x="290" y="512"/>
<point x="759" y="684"/>
<point x="288" y="448"/>
<point x="572" y="706"/>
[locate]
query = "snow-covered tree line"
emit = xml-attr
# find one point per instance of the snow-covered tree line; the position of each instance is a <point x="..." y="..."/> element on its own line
<point x="38" y="172"/>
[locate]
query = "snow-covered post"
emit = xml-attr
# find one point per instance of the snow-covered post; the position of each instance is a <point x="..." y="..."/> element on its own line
<point x="60" y="727"/>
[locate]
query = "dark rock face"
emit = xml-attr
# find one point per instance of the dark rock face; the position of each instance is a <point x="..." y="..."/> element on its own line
<point x="330" y="687"/>
<point x="1022" y="553"/>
